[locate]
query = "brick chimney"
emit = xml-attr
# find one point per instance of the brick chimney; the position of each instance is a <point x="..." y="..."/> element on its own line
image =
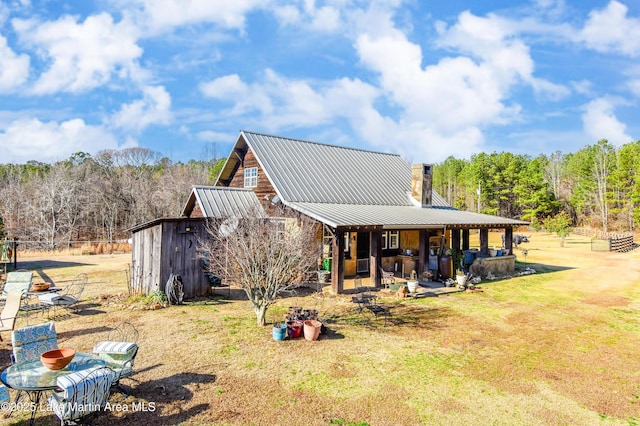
<point x="421" y="183"/>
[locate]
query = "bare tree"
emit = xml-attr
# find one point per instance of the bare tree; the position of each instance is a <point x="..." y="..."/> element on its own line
<point x="265" y="257"/>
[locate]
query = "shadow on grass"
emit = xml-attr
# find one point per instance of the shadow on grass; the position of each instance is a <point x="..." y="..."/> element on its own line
<point x="32" y="265"/>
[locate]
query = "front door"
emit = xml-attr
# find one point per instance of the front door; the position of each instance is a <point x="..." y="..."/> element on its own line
<point x="362" y="253"/>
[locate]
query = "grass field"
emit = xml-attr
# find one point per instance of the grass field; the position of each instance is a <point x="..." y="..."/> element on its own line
<point x="557" y="347"/>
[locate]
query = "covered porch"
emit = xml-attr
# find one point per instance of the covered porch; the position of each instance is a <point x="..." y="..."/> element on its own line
<point x="435" y="253"/>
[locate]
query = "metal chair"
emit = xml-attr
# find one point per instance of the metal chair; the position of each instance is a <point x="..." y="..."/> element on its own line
<point x="10" y="311"/>
<point x="119" y="351"/>
<point x="82" y="393"/>
<point x="68" y="298"/>
<point x="387" y="278"/>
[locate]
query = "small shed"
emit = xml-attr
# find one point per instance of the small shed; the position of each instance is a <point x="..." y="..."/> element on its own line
<point x="170" y="245"/>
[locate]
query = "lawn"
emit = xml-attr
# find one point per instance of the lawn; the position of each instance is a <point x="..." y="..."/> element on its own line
<point x="557" y="347"/>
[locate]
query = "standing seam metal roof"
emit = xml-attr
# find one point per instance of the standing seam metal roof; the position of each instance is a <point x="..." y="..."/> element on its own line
<point x="303" y="171"/>
<point x="222" y="202"/>
<point x="397" y="217"/>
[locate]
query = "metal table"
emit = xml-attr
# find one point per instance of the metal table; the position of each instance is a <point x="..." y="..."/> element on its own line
<point x="34" y="378"/>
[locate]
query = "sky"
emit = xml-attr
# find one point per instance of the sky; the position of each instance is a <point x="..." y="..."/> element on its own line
<point x="422" y="79"/>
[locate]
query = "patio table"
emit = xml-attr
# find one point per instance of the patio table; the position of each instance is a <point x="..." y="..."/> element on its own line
<point x="34" y="378"/>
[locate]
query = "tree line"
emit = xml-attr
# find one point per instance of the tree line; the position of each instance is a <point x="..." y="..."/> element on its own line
<point x="100" y="197"/>
<point x="96" y="198"/>
<point x="597" y="186"/>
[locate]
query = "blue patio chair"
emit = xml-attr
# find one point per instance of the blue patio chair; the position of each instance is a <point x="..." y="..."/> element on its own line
<point x="30" y="342"/>
<point x="4" y="394"/>
<point x="16" y="281"/>
<point x="83" y="392"/>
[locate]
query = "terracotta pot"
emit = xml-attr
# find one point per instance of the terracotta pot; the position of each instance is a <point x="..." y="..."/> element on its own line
<point x="57" y="359"/>
<point x="312" y="329"/>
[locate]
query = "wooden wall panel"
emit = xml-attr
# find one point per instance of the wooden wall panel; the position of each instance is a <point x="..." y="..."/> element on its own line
<point x="264" y="187"/>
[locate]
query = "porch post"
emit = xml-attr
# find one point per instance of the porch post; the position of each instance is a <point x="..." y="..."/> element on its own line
<point x="375" y="256"/>
<point x="465" y="239"/>
<point x="455" y="247"/>
<point x="484" y="241"/>
<point x="337" y="263"/>
<point x="423" y="252"/>
<point x="508" y="239"/>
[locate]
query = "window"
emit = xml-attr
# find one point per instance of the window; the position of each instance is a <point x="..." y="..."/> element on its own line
<point x="250" y="177"/>
<point x="390" y="240"/>
<point x="394" y="239"/>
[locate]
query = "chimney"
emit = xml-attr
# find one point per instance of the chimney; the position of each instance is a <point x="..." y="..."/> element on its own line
<point x="421" y="182"/>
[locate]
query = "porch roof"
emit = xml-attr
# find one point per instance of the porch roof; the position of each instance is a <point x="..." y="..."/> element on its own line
<point x="399" y="217"/>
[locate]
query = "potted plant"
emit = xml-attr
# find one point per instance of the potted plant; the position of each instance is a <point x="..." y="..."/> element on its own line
<point x="412" y="284"/>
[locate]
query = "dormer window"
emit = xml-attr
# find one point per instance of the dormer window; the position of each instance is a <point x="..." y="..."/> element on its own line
<point x="250" y="177"/>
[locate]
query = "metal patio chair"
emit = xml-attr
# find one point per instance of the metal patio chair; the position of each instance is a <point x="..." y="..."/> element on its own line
<point x="119" y="351"/>
<point x="82" y="393"/>
<point x="68" y="298"/>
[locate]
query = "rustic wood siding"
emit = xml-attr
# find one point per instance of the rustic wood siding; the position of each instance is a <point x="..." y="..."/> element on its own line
<point x="197" y="211"/>
<point x="264" y="187"/>
<point x="146" y="259"/>
<point x="169" y="248"/>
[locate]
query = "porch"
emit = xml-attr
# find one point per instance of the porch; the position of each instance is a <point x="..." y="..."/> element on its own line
<point x="433" y="253"/>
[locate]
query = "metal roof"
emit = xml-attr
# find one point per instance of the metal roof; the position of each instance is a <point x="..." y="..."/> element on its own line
<point x="223" y="202"/>
<point x="399" y="217"/>
<point x="311" y="172"/>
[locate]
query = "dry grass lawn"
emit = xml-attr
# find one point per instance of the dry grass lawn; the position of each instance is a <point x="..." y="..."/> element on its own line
<point x="557" y="347"/>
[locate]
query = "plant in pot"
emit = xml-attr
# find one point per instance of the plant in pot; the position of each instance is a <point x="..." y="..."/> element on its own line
<point x="412" y="284"/>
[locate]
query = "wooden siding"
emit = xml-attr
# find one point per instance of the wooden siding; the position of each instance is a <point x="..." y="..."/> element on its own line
<point x="264" y="187"/>
<point x="169" y="247"/>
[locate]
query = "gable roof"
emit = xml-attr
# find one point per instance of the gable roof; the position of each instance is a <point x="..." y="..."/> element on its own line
<point x="223" y="202"/>
<point x="311" y="172"/>
<point x="348" y="187"/>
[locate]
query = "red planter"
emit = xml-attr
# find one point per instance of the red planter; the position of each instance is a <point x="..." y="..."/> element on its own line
<point x="294" y="329"/>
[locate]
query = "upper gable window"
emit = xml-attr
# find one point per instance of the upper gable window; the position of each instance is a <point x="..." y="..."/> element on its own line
<point x="250" y="177"/>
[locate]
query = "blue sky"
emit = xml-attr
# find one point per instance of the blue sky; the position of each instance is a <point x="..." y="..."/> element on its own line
<point x="424" y="79"/>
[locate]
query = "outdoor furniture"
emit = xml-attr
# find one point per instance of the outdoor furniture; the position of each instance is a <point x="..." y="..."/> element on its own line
<point x="387" y="278"/>
<point x="82" y="393"/>
<point x="30" y="376"/>
<point x="68" y="297"/>
<point x="32" y="302"/>
<point x="16" y="281"/>
<point x="30" y="342"/>
<point x="119" y="351"/>
<point x="10" y="311"/>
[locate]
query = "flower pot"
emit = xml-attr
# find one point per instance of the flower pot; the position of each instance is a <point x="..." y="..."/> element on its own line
<point x="279" y="331"/>
<point x="312" y="329"/>
<point x="413" y="286"/>
<point x="294" y="329"/>
<point x="461" y="279"/>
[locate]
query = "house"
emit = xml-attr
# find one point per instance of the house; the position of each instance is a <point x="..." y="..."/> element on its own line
<point x="377" y="211"/>
<point x="169" y="245"/>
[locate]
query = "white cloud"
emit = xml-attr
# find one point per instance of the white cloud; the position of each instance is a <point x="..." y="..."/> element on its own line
<point x="14" y="69"/>
<point x="153" y="108"/>
<point x="82" y="55"/>
<point x="31" y="139"/>
<point x="634" y="87"/>
<point x="600" y="122"/>
<point x="155" y="17"/>
<point x="611" y="30"/>
<point x="325" y="19"/>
